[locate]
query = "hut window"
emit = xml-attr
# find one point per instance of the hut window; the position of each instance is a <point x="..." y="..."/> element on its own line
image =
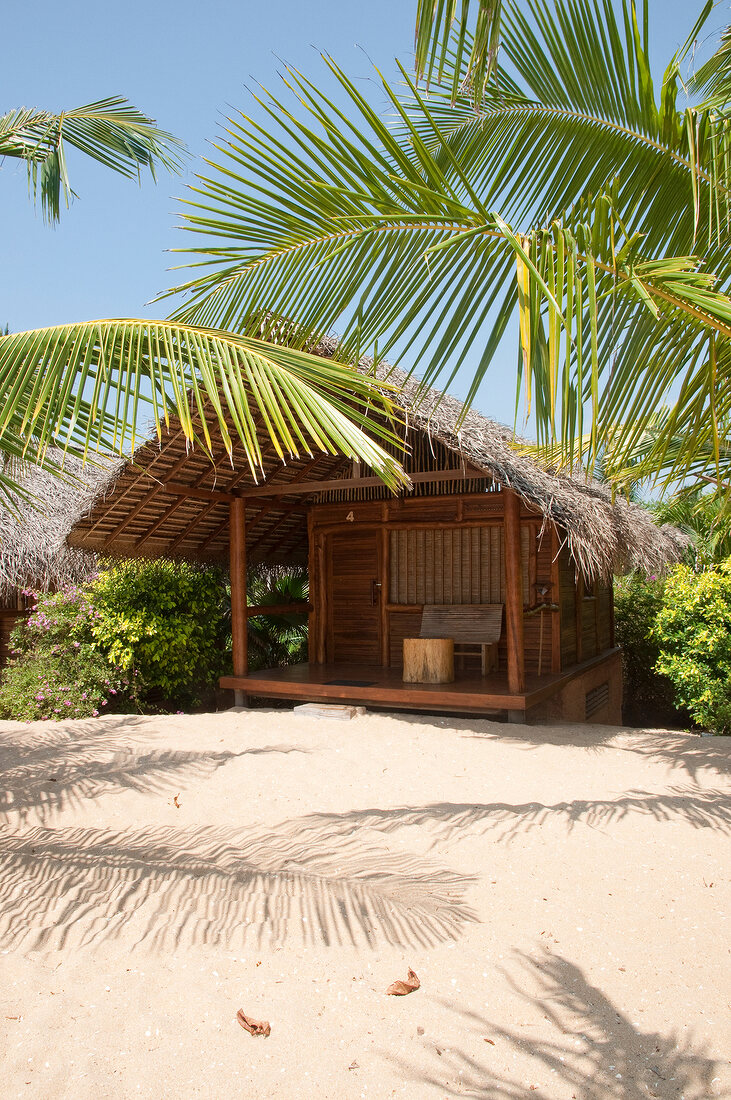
<point x="452" y="565"/>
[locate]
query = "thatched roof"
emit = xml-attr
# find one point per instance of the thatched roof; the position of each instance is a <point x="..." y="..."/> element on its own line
<point x="603" y="537"/>
<point x="136" y="517"/>
<point x="33" y="550"/>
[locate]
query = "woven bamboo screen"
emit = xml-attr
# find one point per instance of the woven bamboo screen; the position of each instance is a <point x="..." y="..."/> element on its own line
<point x="451" y="565"/>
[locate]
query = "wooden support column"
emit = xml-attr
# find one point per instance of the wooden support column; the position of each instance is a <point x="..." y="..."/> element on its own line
<point x="237" y="549"/>
<point x="514" y="594"/>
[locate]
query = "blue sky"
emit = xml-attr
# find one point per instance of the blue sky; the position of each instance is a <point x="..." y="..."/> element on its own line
<point x="186" y="64"/>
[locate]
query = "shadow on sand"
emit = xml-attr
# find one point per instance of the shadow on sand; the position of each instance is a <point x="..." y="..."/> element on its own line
<point x="593" y="1051"/>
<point x="168" y="888"/>
<point x="44" y="772"/>
<point x="447" y="821"/>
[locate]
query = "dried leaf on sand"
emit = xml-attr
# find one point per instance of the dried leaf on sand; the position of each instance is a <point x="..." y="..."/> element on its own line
<point x="254" y="1027"/>
<point x="400" y="989"/>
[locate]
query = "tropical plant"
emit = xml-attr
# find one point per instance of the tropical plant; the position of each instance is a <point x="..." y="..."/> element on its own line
<point x="277" y="639"/>
<point x="83" y="386"/>
<point x="140" y="635"/>
<point x="564" y="195"/>
<point x="694" y="640"/>
<point x="648" y="696"/>
<point x="58" y="669"/>
<point x="703" y="514"/>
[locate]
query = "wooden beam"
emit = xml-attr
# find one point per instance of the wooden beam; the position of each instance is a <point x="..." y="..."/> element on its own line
<point x="237" y="551"/>
<point x="299" y="607"/>
<point x="304" y="487"/>
<point x="179" y="489"/>
<point x="514" y="595"/>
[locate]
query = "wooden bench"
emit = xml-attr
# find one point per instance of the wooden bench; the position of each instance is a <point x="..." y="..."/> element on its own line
<point x="469" y="624"/>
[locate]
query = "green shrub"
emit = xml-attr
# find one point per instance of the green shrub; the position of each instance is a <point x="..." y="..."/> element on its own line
<point x="141" y="635"/>
<point x="58" y="671"/>
<point x="693" y="632"/>
<point x="167" y="621"/>
<point x="648" y="696"/>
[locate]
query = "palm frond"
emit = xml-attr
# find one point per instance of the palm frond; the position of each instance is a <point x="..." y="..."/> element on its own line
<point x="84" y="386"/>
<point x="111" y="131"/>
<point x="436" y="37"/>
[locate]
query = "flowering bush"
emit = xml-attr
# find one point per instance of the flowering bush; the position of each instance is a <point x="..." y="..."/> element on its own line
<point x="58" y="671"/>
<point x="141" y="634"/>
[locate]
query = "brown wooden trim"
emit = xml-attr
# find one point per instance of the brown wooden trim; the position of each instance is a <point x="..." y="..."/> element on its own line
<point x="514" y="632"/>
<point x="530" y="597"/>
<point x="237" y="549"/>
<point x="312" y="583"/>
<point x="612" y="638"/>
<point x="322" y="583"/>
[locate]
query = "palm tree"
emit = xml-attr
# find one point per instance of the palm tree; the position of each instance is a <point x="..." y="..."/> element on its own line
<point x="83" y="386"/>
<point x="551" y="187"/>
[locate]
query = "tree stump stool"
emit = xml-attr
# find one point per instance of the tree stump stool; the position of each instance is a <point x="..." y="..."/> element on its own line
<point x="428" y="660"/>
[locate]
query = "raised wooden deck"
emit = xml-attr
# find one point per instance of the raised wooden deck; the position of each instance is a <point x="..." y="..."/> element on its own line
<point x="383" y="687"/>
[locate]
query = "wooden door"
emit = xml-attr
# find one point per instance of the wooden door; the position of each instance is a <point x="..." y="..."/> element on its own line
<point x="354" y="604"/>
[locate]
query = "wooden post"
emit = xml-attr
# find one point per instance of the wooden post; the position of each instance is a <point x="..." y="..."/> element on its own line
<point x="514" y="594"/>
<point x="239" y="637"/>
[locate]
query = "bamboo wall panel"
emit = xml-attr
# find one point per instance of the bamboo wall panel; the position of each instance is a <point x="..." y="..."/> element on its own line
<point x="453" y="565"/>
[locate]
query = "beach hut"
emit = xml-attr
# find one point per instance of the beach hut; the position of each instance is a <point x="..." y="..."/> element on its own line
<point x="491" y="574"/>
<point x="33" y="529"/>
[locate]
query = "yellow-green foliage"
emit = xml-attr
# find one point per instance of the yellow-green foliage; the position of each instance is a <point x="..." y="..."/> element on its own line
<point x="693" y="632"/>
<point x="165" y="619"/>
<point x="141" y="633"/>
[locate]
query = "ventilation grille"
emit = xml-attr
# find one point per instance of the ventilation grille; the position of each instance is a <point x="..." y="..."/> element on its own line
<point x="597" y="698"/>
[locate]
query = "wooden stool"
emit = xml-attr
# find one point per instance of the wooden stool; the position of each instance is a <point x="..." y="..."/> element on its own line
<point x="428" y="660"/>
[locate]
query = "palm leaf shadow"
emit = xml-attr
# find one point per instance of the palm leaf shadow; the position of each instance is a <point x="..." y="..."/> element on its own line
<point x="702" y="808"/>
<point x="43" y="774"/>
<point x="170" y="888"/>
<point x="589" y="1046"/>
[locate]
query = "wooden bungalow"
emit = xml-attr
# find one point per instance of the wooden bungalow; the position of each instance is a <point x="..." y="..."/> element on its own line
<point x="506" y="553"/>
<point x="33" y="550"/>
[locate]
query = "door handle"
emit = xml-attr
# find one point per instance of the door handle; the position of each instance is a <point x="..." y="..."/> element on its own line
<point x="375" y="591"/>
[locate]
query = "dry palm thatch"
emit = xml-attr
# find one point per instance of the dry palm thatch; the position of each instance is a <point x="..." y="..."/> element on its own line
<point x="136" y="517"/>
<point x="604" y="536"/>
<point x="34" y="525"/>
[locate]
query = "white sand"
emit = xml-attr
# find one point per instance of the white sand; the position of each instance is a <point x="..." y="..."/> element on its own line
<point x="561" y="892"/>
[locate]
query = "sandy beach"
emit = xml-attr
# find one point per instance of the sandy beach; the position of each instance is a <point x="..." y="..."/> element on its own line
<point x="561" y="892"/>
